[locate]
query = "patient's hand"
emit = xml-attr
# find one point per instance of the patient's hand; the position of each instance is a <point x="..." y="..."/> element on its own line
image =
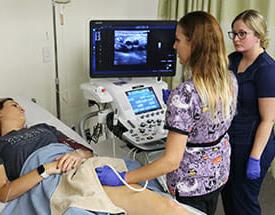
<point x="51" y="168"/>
<point x="69" y="161"/>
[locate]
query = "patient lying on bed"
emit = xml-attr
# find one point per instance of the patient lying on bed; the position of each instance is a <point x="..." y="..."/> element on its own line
<point x="19" y="144"/>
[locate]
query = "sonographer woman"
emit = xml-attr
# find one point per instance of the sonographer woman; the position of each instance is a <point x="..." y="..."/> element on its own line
<point x="199" y="112"/>
<point x="251" y="134"/>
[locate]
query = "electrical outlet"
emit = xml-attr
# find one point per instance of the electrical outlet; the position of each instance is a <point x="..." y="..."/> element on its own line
<point x="46" y="55"/>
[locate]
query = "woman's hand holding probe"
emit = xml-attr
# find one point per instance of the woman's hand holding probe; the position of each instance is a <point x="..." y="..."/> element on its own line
<point x="107" y="176"/>
<point x="70" y="161"/>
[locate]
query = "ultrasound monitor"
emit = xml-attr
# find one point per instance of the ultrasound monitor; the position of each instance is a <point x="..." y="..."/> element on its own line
<point x="132" y="48"/>
<point x="143" y="100"/>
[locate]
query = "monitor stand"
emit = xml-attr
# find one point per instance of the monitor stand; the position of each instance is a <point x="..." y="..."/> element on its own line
<point x="122" y="81"/>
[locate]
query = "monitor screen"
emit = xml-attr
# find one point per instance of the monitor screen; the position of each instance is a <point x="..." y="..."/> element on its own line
<point x="132" y="48"/>
<point x="143" y="100"/>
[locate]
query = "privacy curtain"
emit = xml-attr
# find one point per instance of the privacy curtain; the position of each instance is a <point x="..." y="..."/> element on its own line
<point x="224" y="11"/>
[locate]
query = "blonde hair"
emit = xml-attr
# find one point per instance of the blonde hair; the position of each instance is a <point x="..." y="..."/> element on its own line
<point x="209" y="62"/>
<point x="256" y="22"/>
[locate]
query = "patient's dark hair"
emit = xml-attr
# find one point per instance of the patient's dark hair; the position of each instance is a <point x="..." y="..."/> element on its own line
<point x="3" y="100"/>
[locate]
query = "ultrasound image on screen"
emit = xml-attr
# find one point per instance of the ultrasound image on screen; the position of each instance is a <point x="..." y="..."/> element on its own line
<point x="130" y="47"/>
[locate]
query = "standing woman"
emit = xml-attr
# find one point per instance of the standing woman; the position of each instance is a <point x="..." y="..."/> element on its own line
<point x="199" y="112"/>
<point x="251" y="134"/>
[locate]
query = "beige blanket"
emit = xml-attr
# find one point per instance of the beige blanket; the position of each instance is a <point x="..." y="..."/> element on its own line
<point x="82" y="189"/>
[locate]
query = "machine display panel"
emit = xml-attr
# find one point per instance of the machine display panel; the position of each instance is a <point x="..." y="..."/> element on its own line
<point x="130" y="48"/>
<point x="143" y="100"/>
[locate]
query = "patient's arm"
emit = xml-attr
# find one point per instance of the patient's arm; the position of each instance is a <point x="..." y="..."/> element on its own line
<point x="146" y="202"/>
<point x="10" y="190"/>
<point x="72" y="159"/>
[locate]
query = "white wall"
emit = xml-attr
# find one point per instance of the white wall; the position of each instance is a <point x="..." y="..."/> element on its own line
<point x="73" y="44"/>
<point x="26" y="30"/>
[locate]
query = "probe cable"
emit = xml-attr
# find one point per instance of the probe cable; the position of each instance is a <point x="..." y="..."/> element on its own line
<point x="126" y="184"/>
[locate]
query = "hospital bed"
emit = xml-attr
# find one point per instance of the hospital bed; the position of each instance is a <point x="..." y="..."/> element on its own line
<point x="36" y="114"/>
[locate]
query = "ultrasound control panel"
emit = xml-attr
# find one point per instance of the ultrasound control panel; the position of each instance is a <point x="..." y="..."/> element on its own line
<point x="138" y="107"/>
<point x="146" y="132"/>
<point x="149" y="133"/>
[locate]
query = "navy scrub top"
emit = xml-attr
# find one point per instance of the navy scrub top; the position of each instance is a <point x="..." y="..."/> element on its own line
<point x="257" y="81"/>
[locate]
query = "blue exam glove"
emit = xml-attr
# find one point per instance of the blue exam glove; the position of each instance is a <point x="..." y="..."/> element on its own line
<point x="253" y="170"/>
<point x="165" y="95"/>
<point x="107" y="176"/>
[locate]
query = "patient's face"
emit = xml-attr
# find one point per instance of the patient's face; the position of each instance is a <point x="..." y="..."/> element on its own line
<point x="12" y="111"/>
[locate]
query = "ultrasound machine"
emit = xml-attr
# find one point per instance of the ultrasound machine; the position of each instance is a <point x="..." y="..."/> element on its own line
<point x="127" y="62"/>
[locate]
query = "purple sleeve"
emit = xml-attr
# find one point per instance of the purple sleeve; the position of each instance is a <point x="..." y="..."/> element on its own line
<point x="179" y="110"/>
<point x="265" y="81"/>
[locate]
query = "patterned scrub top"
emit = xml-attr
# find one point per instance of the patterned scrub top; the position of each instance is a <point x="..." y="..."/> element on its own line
<point x="203" y="169"/>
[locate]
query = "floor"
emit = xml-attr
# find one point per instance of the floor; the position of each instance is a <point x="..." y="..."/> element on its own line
<point x="267" y="197"/>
